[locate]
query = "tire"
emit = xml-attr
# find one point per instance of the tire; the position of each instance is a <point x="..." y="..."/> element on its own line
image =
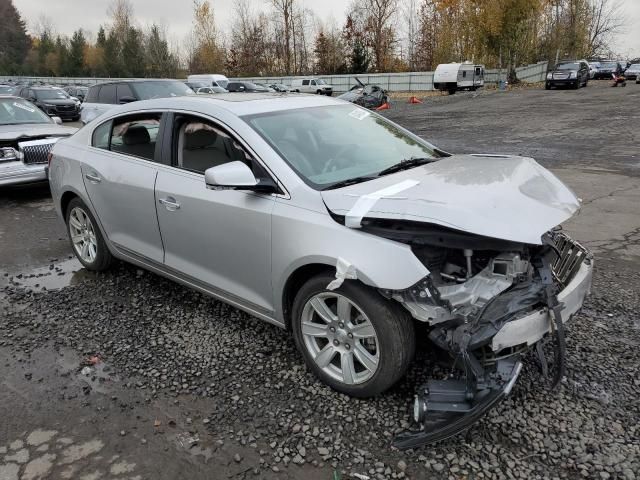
<point x="576" y="86"/>
<point x="547" y="86"/>
<point x="97" y="256"/>
<point x="384" y="324"/>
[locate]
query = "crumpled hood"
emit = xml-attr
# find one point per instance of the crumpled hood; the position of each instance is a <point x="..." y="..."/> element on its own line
<point x="23" y="132"/>
<point x="506" y="197"/>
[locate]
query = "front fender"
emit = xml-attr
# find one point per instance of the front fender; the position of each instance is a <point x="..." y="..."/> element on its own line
<point x="302" y="237"/>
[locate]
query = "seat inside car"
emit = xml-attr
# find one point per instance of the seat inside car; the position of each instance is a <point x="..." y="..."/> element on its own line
<point x="201" y="148"/>
<point x="137" y="141"/>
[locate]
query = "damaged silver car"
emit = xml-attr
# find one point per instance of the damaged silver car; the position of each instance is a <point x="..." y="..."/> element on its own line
<point x="26" y="137"/>
<point x="341" y="227"/>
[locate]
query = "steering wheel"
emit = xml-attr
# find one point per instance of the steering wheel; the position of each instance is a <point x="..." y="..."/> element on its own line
<point x="337" y="156"/>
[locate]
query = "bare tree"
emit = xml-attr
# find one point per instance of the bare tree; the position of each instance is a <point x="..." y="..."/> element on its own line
<point x="606" y="19"/>
<point x="284" y="11"/>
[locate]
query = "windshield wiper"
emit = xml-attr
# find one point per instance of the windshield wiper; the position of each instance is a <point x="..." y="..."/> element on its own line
<point x="405" y="164"/>
<point x="349" y="181"/>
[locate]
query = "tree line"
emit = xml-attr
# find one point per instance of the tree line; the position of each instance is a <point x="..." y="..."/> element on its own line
<point x="284" y="37"/>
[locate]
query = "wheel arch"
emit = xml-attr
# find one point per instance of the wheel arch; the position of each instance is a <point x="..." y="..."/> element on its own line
<point x="296" y="279"/>
<point x="65" y="199"/>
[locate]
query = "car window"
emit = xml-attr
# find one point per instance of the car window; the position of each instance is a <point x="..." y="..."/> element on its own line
<point x="326" y="145"/>
<point x="100" y="138"/>
<point x="92" y="94"/>
<point x="124" y="90"/>
<point x="160" y="89"/>
<point x="313" y="82"/>
<point x="305" y="82"/>
<point x="14" y="111"/>
<point x="107" y="94"/>
<point x="200" y="144"/>
<point x="135" y="135"/>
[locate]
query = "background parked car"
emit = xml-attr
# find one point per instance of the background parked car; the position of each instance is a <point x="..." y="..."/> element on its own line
<point x="607" y="69"/>
<point x="53" y="101"/>
<point x="633" y="72"/>
<point x="593" y="69"/>
<point x="280" y="87"/>
<point x="209" y="80"/>
<point x="78" y="91"/>
<point x="102" y="97"/>
<point x="369" y="96"/>
<point x="311" y="85"/>
<point x="573" y="73"/>
<point x="7" y="89"/>
<point x="246" y="87"/>
<point x="26" y="137"/>
<point x="210" y="90"/>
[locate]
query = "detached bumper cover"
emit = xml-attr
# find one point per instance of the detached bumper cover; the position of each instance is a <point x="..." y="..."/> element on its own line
<point x="531" y="328"/>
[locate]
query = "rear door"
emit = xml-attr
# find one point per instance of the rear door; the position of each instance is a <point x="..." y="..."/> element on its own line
<point x="220" y="238"/>
<point x="119" y="175"/>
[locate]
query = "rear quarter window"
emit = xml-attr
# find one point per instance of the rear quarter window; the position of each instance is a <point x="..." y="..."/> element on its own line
<point x="100" y="138"/>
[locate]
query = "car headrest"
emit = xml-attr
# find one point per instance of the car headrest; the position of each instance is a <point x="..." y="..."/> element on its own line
<point x="200" y="139"/>
<point x="136" y="135"/>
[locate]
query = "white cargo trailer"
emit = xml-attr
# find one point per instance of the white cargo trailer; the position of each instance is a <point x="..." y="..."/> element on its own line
<point x="452" y="77"/>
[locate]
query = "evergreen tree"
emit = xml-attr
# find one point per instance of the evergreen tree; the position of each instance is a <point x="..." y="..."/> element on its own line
<point x="112" y="65"/>
<point x="359" y="58"/>
<point x="133" y="57"/>
<point x="75" y="61"/>
<point x="14" y="42"/>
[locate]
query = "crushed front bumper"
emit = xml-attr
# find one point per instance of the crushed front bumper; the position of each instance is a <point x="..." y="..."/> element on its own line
<point x="16" y="173"/>
<point x="444" y="408"/>
<point x="533" y="327"/>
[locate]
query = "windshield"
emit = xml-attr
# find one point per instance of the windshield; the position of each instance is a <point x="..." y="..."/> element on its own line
<point x="568" y="66"/>
<point x="331" y="144"/>
<point x="4" y="89"/>
<point x="147" y="90"/>
<point x="17" y="111"/>
<point x="635" y="66"/>
<point x="222" y="83"/>
<point x="609" y="65"/>
<point x="52" y="94"/>
<point x="321" y="82"/>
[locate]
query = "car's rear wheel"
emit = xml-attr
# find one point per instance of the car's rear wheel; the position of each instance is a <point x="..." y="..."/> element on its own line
<point x="85" y="237"/>
<point x="547" y="86"/>
<point x="352" y="338"/>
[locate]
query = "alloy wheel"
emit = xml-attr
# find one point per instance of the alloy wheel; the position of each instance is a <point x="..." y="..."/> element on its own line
<point x="340" y="338"/>
<point x="83" y="235"/>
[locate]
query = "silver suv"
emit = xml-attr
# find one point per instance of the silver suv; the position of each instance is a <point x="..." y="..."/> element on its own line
<point x="339" y="226"/>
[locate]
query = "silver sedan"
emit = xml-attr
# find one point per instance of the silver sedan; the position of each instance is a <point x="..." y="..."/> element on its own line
<point x="339" y="226"/>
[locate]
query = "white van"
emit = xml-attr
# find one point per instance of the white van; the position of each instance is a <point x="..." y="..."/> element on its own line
<point x="458" y="76"/>
<point x="210" y="79"/>
<point x="311" y="85"/>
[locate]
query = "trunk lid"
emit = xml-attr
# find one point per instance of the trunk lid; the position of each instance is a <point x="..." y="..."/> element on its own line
<point x="506" y="197"/>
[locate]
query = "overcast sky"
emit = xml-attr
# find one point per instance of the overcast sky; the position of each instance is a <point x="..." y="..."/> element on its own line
<point x="175" y="15"/>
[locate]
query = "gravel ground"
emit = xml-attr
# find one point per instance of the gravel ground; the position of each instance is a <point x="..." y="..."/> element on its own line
<point x="167" y="340"/>
<point x="243" y="384"/>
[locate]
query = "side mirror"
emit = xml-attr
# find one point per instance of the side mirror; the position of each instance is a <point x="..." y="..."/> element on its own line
<point x="124" y="100"/>
<point x="236" y="176"/>
<point x="57" y="120"/>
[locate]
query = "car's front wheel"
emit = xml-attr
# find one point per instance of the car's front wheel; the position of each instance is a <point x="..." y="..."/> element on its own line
<point x="85" y="236"/>
<point x="352" y="338"/>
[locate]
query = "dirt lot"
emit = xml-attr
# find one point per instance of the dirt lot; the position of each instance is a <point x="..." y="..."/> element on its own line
<point x="127" y="375"/>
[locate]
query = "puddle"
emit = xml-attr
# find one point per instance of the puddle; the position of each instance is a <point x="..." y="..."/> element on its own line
<point x="97" y="377"/>
<point x="51" y="277"/>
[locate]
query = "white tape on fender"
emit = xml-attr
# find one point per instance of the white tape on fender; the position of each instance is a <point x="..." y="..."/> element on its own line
<point x="366" y="202"/>
<point x="344" y="271"/>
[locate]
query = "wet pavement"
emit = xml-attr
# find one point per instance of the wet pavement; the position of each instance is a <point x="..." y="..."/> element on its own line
<point x="127" y="375"/>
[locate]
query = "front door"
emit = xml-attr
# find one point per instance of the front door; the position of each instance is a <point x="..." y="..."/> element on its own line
<point x="221" y="238"/>
<point x="119" y="176"/>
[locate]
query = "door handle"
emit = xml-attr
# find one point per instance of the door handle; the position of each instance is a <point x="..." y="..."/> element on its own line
<point x="92" y="178"/>
<point x="169" y="203"/>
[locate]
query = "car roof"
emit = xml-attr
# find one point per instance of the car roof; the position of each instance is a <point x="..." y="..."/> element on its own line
<point x="137" y="80"/>
<point x="237" y="103"/>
